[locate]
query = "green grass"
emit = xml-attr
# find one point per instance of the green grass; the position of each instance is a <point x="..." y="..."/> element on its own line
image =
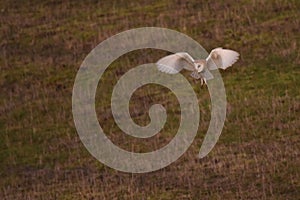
<point x="42" y="46"/>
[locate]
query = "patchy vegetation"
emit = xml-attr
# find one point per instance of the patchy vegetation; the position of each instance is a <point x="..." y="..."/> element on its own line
<point x="42" y="46"/>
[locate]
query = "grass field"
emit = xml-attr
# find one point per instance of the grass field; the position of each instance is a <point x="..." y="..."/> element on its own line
<point x="42" y="46"/>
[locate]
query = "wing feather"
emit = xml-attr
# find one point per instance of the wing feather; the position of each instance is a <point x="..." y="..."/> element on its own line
<point x="174" y="63"/>
<point x="221" y="58"/>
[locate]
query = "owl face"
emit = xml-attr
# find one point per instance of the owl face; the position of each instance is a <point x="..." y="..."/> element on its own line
<point x="199" y="64"/>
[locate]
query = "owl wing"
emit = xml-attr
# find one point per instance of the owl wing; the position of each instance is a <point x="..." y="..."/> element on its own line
<point x="174" y="63"/>
<point x="221" y="58"/>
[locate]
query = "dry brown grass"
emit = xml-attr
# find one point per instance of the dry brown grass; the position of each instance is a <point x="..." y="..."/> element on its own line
<point x="42" y="46"/>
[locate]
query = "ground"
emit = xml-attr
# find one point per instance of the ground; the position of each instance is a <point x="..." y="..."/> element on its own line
<point x="42" y="46"/>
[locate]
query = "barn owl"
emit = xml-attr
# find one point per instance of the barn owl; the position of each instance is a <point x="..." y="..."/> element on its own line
<point x="218" y="58"/>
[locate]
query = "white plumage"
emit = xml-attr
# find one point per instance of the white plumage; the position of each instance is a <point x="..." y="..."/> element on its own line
<point x="218" y="58"/>
<point x="174" y="63"/>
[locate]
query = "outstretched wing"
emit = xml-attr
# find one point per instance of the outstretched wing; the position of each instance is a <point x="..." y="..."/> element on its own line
<point x="174" y="63"/>
<point x="221" y="58"/>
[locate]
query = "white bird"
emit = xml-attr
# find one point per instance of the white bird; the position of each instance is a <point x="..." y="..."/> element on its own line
<point x="218" y="58"/>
